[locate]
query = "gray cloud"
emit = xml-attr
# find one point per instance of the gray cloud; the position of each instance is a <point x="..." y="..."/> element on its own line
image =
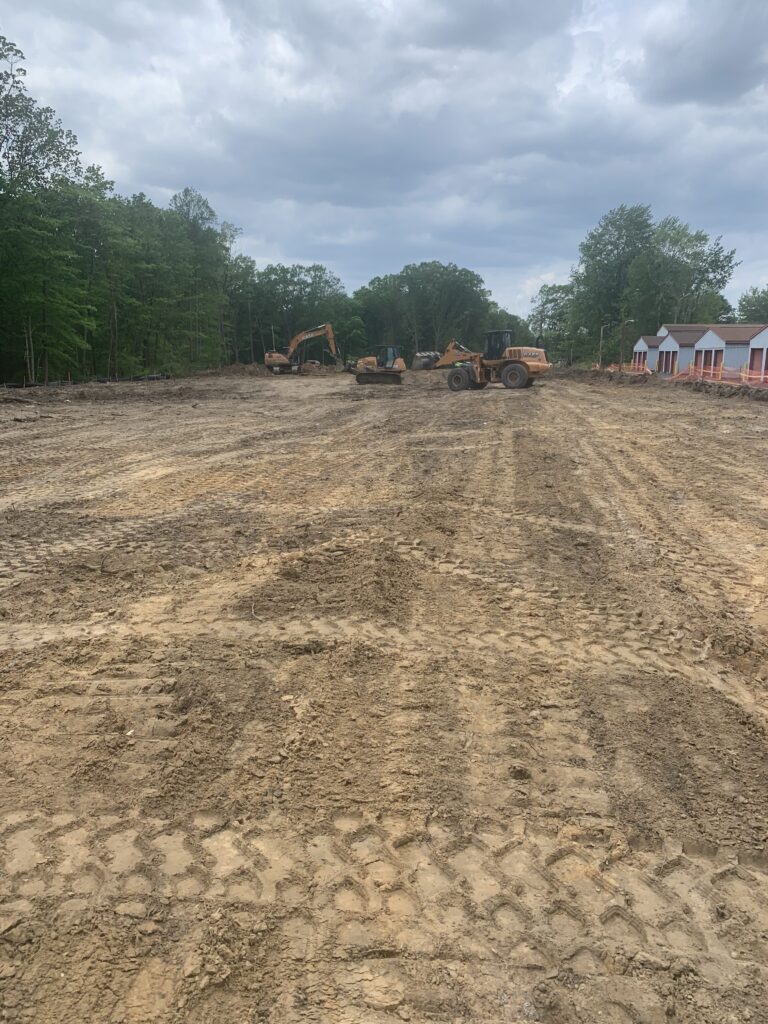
<point x="704" y="51"/>
<point x="367" y="134"/>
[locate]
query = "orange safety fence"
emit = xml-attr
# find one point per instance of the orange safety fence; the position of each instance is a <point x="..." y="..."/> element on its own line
<point x="627" y="368"/>
<point x="724" y="374"/>
<point x="758" y="378"/>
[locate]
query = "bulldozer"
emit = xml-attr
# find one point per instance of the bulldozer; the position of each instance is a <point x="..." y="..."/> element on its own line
<point x="289" y="360"/>
<point x="384" y="366"/>
<point x="514" y="366"/>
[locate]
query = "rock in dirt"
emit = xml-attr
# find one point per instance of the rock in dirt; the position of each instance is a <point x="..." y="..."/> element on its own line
<point x="131" y="909"/>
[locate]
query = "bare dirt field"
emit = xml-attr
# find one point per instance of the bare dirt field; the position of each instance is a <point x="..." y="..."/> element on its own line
<point x="322" y="703"/>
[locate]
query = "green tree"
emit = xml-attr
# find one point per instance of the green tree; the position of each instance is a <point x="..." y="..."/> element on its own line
<point x="34" y="147"/>
<point x="425" y="305"/>
<point x="550" y="318"/>
<point x="678" y="277"/>
<point x="634" y="271"/>
<point x="601" y="279"/>
<point x="753" y="306"/>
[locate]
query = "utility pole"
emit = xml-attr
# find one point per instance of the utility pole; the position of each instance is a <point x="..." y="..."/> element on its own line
<point x="600" y="350"/>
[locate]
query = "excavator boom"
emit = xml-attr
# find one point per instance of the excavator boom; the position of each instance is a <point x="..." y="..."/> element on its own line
<point x="282" y="362"/>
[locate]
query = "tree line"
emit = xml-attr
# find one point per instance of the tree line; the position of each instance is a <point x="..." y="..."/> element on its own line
<point x="634" y="274"/>
<point x="95" y="284"/>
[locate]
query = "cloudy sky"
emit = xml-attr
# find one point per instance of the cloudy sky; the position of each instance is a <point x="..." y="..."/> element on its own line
<point x="366" y="134"/>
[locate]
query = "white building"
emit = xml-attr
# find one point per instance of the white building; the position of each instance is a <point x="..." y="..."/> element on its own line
<point x="705" y="350"/>
<point x="758" y="356"/>
<point x="725" y="347"/>
<point x="646" y="352"/>
<point x="676" y="348"/>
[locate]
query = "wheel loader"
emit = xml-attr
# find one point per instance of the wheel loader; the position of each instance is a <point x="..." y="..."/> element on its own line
<point x="384" y="366"/>
<point x="514" y="366"/>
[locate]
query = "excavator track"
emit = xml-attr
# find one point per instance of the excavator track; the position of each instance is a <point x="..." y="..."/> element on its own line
<point x="379" y="377"/>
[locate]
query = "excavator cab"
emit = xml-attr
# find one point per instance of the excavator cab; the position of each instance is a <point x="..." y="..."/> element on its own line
<point x="387" y="355"/>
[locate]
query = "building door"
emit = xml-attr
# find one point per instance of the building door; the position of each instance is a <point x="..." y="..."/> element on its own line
<point x="697" y="360"/>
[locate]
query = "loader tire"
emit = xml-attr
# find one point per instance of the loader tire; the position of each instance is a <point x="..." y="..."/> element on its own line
<point x="459" y="379"/>
<point x="514" y="375"/>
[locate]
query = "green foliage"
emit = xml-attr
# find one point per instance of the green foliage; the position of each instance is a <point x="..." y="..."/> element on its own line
<point x="425" y="305"/>
<point x="753" y="306"/>
<point x="636" y="273"/>
<point x="34" y="148"/>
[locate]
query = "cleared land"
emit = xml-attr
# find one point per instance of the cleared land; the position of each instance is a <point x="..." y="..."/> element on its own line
<point x="330" y="704"/>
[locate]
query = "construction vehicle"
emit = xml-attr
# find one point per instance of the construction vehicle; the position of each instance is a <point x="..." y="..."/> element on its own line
<point x="290" y="359"/>
<point x="514" y="366"/>
<point x="384" y="366"/>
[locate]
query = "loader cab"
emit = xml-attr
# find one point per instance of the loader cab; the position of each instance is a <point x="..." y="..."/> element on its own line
<point x="496" y="342"/>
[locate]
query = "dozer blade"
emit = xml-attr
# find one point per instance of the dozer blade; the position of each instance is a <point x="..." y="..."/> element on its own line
<point x="379" y="377"/>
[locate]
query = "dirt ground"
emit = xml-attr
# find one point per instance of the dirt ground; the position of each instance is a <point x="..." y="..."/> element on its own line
<point x="324" y="703"/>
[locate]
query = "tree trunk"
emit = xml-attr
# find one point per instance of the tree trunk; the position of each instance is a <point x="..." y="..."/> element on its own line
<point x="250" y="331"/>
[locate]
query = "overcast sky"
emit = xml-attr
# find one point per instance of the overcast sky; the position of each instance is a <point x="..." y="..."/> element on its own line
<point x="367" y="134"/>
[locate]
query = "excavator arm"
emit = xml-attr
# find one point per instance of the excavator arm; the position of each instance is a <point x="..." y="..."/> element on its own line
<point x="280" y="362"/>
<point x="313" y="332"/>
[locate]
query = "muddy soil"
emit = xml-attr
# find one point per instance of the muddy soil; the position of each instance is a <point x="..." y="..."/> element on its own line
<point x="321" y="703"/>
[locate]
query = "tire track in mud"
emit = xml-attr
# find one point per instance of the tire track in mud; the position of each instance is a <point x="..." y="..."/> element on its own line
<point x="384" y="776"/>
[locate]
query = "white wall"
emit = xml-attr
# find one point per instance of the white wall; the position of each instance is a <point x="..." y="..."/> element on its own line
<point x="736" y="356"/>
<point x="709" y="340"/>
<point x="685" y="358"/>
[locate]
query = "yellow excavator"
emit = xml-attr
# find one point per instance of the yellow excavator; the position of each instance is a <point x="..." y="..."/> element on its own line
<point x="514" y="366"/>
<point x="289" y="361"/>
<point x="385" y="366"/>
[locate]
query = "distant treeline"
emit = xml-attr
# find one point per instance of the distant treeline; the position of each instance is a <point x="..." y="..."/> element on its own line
<point x="96" y="284"/>
<point x="93" y="284"/>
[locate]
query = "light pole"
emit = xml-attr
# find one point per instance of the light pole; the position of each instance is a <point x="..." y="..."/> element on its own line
<point x="600" y="351"/>
<point x="621" y="343"/>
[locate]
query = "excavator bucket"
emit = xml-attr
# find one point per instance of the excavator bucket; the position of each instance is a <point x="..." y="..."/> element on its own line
<point x="379" y="377"/>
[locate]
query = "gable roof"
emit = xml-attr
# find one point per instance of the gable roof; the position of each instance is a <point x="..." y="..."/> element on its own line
<point x="686" y="335"/>
<point x="737" y="334"/>
<point x="651" y="340"/>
